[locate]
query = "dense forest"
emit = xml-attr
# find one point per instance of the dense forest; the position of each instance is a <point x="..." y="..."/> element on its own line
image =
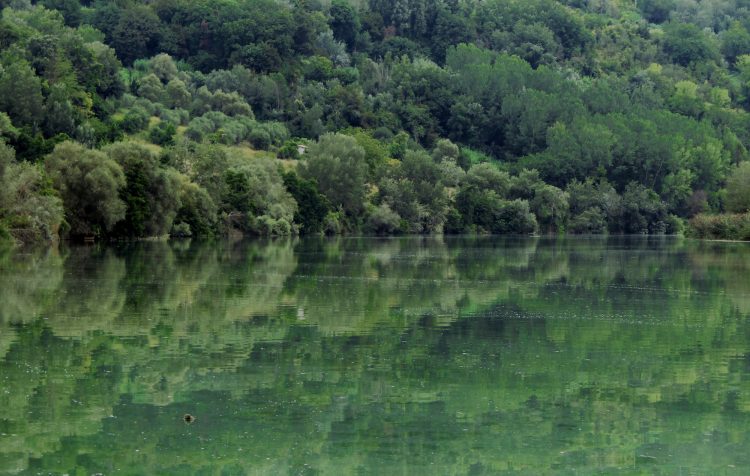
<point x="126" y="119"/>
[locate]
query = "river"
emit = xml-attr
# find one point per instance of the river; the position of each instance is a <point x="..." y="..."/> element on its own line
<point x="399" y="356"/>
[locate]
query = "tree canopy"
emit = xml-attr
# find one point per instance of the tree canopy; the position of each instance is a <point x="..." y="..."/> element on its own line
<point x="389" y="116"/>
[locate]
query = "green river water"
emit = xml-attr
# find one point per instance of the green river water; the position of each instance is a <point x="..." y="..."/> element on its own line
<point x="403" y="356"/>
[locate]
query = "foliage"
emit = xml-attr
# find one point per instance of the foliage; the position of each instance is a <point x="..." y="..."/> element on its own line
<point x="685" y="43"/>
<point x="312" y="206"/>
<point x="601" y="116"/>
<point x="642" y="211"/>
<point x="89" y="184"/>
<point x="255" y="189"/>
<point x="738" y="189"/>
<point x="589" y="222"/>
<point x="594" y="207"/>
<point x="657" y="11"/>
<point x="197" y="215"/>
<point x="151" y="193"/>
<point x="52" y="78"/>
<point x="550" y="206"/>
<point x="336" y="163"/>
<point x="383" y="221"/>
<point x="29" y="210"/>
<point x="162" y="133"/>
<point x="721" y="227"/>
<point x="414" y="191"/>
<point x="486" y="212"/>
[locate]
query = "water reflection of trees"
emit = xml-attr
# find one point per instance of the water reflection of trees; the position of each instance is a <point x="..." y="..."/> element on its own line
<point x="369" y="342"/>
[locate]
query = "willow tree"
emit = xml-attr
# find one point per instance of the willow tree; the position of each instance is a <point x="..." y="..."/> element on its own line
<point x="89" y="183"/>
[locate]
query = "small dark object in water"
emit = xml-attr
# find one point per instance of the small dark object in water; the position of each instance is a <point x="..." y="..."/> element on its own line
<point x="188" y="418"/>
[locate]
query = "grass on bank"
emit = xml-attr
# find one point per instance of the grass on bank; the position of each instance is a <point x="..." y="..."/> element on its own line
<point x="729" y="226"/>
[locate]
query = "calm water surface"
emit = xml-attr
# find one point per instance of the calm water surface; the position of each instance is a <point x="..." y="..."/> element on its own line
<point x="377" y="356"/>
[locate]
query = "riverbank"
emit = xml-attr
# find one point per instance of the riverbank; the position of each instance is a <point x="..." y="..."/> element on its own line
<point x="724" y="227"/>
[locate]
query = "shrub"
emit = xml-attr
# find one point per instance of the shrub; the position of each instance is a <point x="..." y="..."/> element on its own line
<point x="738" y="189"/>
<point x="135" y="120"/>
<point x="181" y="230"/>
<point x="199" y="128"/>
<point x="290" y="150"/>
<point x="197" y="210"/>
<point x="720" y="227"/>
<point x="332" y="223"/>
<point x="260" y="139"/>
<point x="4" y="233"/>
<point x="337" y="164"/>
<point x="589" y="222"/>
<point x="162" y="133"/>
<point x="513" y="216"/>
<point x="312" y="207"/>
<point x="28" y="208"/>
<point x="256" y="189"/>
<point x="90" y="184"/>
<point x="675" y="225"/>
<point x="277" y="132"/>
<point x="265" y="225"/>
<point x="231" y="133"/>
<point x="383" y="221"/>
<point x="151" y="193"/>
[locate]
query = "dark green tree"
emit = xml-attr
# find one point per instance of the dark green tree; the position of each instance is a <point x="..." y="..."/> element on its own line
<point x="685" y="43"/>
<point x="151" y="193"/>
<point x="312" y="207"/>
<point x="344" y="22"/>
<point x="21" y="94"/>
<point x="137" y="34"/>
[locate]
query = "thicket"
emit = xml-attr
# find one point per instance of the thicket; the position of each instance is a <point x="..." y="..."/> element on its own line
<point x="729" y="226"/>
<point x="131" y="119"/>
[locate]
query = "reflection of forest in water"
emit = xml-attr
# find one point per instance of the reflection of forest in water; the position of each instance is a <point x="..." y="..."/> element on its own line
<point x="468" y="355"/>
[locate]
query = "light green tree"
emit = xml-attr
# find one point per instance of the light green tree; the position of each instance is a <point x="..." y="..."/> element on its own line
<point x="738" y="189"/>
<point x="89" y="183"/>
<point x="337" y="164"/>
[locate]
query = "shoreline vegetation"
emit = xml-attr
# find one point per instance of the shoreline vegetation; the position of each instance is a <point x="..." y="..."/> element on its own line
<point x="129" y="120"/>
<point x="726" y="227"/>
